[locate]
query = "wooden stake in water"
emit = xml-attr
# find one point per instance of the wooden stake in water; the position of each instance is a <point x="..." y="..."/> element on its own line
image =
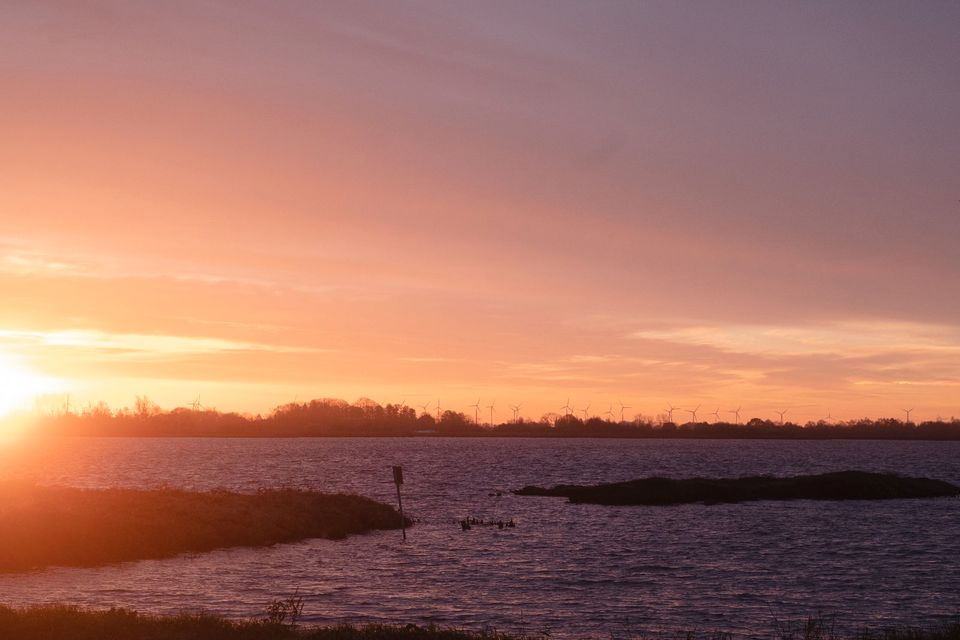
<point x="398" y="480"/>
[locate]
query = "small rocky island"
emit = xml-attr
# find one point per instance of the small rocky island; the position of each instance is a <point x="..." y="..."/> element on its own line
<point x="841" y="485"/>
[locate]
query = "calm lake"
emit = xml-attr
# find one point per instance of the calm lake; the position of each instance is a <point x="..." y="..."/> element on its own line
<point x="572" y="570"/>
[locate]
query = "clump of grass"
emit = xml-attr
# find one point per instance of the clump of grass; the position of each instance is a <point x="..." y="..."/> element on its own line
<point x="840" y="485"/>
<point x="285" y="610"/>
<point x="44" y="526"/>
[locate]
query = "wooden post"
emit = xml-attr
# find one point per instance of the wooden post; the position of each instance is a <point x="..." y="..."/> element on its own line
<point x="398" y="480"/>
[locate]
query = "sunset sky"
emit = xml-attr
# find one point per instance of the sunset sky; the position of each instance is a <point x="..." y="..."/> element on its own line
<point x="696" y="203"/>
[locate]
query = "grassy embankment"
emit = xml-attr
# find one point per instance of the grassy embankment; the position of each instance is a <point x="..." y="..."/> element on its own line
<point x="70" y="623"/>
<point x="841" y="485"/>
<point x="45" y="526"/>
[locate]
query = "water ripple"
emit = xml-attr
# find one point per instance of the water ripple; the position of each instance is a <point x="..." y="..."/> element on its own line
<point x="577" y="570"/>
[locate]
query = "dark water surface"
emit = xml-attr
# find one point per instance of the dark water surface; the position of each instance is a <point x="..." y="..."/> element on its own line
<point x="575" y="570"/>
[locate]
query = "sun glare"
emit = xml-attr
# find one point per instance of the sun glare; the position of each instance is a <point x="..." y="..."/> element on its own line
<point x="21" y="386"/>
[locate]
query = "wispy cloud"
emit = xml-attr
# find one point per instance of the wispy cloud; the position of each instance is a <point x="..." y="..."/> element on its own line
<point x="842" y="338"/>
<point x="141" y="345"/>
<point x="19" y="261"/>
<point x="588" y="359"/>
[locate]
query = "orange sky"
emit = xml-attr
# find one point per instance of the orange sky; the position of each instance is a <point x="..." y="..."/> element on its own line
<point x="686" y="203"/>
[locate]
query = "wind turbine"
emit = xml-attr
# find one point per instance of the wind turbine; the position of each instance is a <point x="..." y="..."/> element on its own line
<point x="693" y="414"/>
<point x="476" y="411"/>
<point x="622" y="408"/>
<point x="585" y="412"/>
<point x="438" y="409"/>
<point x="567" y="408"/>
<point x="716" y="414"/>
<point x="907" y="411"/>
<point x="195" y="405"/>
<point x="516" y="411"/>
<point x="424" y="407"/>
<point x="781" y="414"/>
<point x="736" y="412"/>
<point x="609" y="413"/>
<point x="491" y="411"/>
<point x="670" y="409"/>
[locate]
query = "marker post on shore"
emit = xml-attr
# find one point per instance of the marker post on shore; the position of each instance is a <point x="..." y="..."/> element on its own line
<point x="398" y="480"/>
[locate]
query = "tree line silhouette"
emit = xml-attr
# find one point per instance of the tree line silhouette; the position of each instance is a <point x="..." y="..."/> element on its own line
<point x="333" y="417"/>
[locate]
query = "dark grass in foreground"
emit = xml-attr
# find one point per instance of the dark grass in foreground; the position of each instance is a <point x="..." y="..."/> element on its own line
<point x="44" y="526"/>
<point x="841" y="485"/>
<point x="71" y="623"/>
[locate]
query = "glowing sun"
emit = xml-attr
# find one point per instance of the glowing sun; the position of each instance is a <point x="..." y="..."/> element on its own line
<point x="20" y="386"/>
